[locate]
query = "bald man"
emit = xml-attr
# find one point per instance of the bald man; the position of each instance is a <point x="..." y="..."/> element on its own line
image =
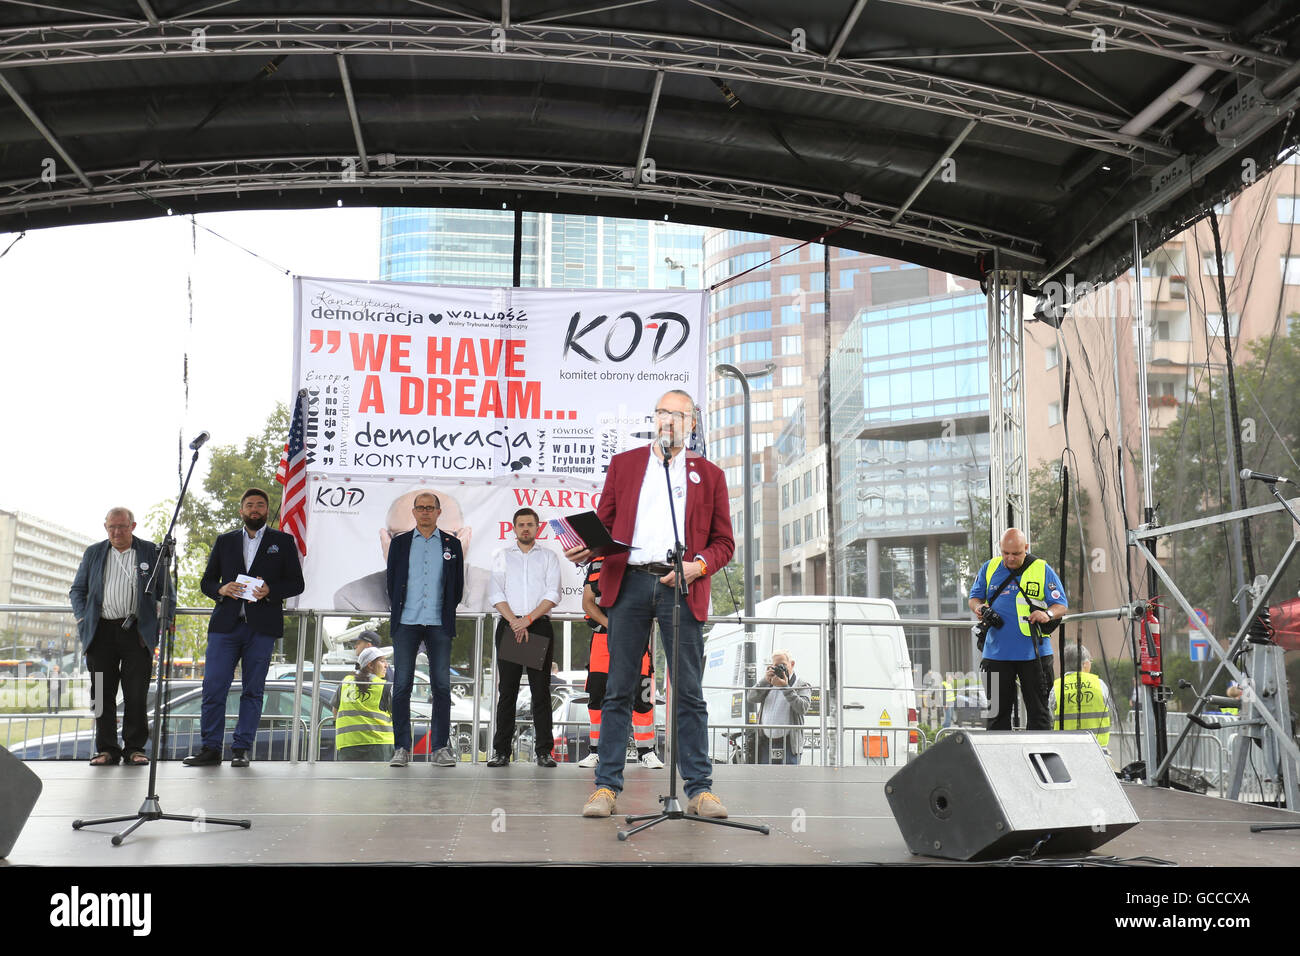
<point x="1021" y="589"/>
<point x="370" y="593"/>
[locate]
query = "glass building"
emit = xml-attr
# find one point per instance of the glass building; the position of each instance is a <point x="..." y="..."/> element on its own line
<point x="475" y="247"/>
<point x="909" y="422"/>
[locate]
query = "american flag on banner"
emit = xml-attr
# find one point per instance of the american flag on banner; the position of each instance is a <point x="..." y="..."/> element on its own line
<point x="292" y="473"/>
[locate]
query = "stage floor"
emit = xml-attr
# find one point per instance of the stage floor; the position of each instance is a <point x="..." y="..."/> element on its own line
<point x="370" y="813"/>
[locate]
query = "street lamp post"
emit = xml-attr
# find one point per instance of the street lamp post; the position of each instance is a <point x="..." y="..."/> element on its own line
<point x="747" y="554"/>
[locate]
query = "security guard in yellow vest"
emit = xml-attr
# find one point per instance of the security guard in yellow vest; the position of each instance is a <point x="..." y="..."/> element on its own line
<point x="363" y="724"/>
<point x="1086" y="702"/>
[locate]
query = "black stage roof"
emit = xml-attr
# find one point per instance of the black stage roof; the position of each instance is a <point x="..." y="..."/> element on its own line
<point x="930" y="131"/>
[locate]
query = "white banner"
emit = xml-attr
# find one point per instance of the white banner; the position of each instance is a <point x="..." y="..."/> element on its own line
<point x="352" y="520"/>
<point x="406" y="379"/>
<point x="494" y="399"/>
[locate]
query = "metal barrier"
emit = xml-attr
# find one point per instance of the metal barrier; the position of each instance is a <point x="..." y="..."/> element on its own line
<point x="830" y="727"/>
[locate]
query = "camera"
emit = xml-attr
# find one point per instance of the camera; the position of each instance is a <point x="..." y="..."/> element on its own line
<point x="989" y="618"/>
<point x="778" y="670"/>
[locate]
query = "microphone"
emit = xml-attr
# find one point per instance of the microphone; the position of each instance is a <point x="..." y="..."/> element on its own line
<point x="665" y="444"/>
<point x="198" y="442"/>
<point x="1247" y="474"/>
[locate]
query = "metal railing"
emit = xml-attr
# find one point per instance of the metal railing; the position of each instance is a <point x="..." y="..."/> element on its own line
<point x="835" y="722"/>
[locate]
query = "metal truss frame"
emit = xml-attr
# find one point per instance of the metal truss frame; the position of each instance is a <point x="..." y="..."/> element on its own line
<point x="164" y="182"/>
<point x="1286" y="746"/>
<point x="813" y="73"/>
<point x="1008" y="459"/>
<point x="1125" y="25"/>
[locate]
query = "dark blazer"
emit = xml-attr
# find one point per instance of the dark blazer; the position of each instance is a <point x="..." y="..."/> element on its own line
<point x="276" y="563"/>
<point x="399" y="569"/>
<point x="708" y="520"/>
<point x="87" y="592"/>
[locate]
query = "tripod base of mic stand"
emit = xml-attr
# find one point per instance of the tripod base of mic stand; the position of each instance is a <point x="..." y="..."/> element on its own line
<point x="151" y="809"/>
<point x="1258" y="828"/>
<point x="673" y="811"/>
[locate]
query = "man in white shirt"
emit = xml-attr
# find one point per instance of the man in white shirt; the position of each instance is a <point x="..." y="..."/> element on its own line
<point x="525" y="586"/>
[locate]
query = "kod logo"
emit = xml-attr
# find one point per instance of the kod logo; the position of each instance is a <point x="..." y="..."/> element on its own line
<point x="623" y="335"/>
<point x="338" y="497"/>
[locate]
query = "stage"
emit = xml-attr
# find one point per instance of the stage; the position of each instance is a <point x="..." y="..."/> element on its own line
<point x="523" y="814"/>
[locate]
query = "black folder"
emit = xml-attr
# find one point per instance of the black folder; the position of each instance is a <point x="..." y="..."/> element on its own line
<point x="530" y="653"/>
<point x="595" y="535"/>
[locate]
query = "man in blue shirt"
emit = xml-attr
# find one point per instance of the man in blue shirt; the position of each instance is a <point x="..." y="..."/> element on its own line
<point x="426" y="580"/>
<point x="1024" y="590"/>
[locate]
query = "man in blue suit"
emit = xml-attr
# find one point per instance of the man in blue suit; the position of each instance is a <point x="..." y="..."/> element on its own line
<point x="245" y="624"/>
<point x="426" y="580"/>
<point x="117" y="623"/>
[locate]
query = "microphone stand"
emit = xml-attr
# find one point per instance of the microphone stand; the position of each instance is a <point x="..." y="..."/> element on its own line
<point x="161" y="587"/>
<point x="672" y="808"/>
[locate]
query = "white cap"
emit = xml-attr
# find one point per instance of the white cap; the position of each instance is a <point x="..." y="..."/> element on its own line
<point x="370" y="654"/>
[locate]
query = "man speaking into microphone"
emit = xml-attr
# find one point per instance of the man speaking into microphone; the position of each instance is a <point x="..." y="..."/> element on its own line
<point x="640" y="587"/>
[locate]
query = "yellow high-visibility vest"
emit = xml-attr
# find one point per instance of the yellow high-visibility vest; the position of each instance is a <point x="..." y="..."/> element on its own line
<point x="1033" y="580"/>
<point x="1084" y="705"/>
<point x="360" y="720"/>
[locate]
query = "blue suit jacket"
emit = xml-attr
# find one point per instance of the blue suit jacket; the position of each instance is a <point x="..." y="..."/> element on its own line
<point x="276" y="563"/>
<point x="87" y="592"/>
<point x="399" y="569"/>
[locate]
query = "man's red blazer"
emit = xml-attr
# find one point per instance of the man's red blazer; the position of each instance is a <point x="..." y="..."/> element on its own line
<point x="708" y="519"/>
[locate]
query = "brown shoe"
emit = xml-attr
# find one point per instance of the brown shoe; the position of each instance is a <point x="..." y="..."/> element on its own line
<point x="600" y="803"/>
<point x="705" y="804"/>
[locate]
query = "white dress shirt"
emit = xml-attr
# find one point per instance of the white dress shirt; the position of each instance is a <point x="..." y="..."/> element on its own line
<point x="652" y="538"/>
<point x="524" y="579"/>
<point x="251" y="545"/>
<point x="119" y="584"/>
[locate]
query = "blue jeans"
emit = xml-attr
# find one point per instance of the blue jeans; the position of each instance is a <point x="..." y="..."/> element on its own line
<point x="641" y="601"/>
<point x="225" y="650"/>
<point x="407" y="639"/>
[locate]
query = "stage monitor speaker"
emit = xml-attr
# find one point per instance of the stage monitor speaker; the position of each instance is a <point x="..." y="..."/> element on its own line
<point x="980" y="796"/>
<point x="19" y="788"/>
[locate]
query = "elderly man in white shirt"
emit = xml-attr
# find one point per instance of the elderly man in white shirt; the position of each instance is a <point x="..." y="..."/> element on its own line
<point x="525" y="586"/>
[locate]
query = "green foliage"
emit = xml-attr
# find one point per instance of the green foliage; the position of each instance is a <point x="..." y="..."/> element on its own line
<point x="232" y="469"/>
<point x="1193" y="470"/>
<point x="214" y="509"/>
<point x="1044" y="521"/>
<point x="726" y="598"/>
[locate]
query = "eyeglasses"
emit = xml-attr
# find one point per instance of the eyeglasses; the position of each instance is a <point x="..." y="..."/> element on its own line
<point x="117" y="527"/>
<point x="679" y="417"/>
<point x="425" y="508"/>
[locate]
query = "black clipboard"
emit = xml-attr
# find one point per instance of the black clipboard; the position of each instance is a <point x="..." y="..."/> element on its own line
<point x="530" y="653"/>
<point x="595" y="535"/>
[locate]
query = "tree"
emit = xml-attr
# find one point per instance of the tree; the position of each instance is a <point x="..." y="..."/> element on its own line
<point x="1192" y="471"/>
<point x="1045" y="505"/>
<point x="232" y="469"/>
<point x="728" y="588"/>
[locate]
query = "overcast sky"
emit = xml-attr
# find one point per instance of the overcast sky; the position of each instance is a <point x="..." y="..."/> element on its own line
<point x="96" y="324"/>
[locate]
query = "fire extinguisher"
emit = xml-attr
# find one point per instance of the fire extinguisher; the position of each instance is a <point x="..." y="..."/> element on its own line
<point x="1149" y="649"/>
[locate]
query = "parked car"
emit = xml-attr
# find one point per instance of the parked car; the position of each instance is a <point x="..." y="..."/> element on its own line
<point x="181" y="718"/>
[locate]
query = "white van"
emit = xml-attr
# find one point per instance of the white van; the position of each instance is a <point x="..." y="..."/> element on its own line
<point x="874" y="677"/>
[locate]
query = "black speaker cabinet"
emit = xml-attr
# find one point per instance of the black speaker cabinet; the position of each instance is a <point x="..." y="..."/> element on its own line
<point x="19" y="788"/>
<point x="980" y="796"/>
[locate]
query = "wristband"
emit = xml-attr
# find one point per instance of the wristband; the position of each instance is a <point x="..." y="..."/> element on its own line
<point x="703" y="564"/>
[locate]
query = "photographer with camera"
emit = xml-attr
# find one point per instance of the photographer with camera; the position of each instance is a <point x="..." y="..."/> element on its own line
<point x="1017" y="600"/>
<point x="782" y="699"/>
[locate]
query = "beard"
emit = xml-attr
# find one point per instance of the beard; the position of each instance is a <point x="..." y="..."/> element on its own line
<point x="255" y="524"/>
